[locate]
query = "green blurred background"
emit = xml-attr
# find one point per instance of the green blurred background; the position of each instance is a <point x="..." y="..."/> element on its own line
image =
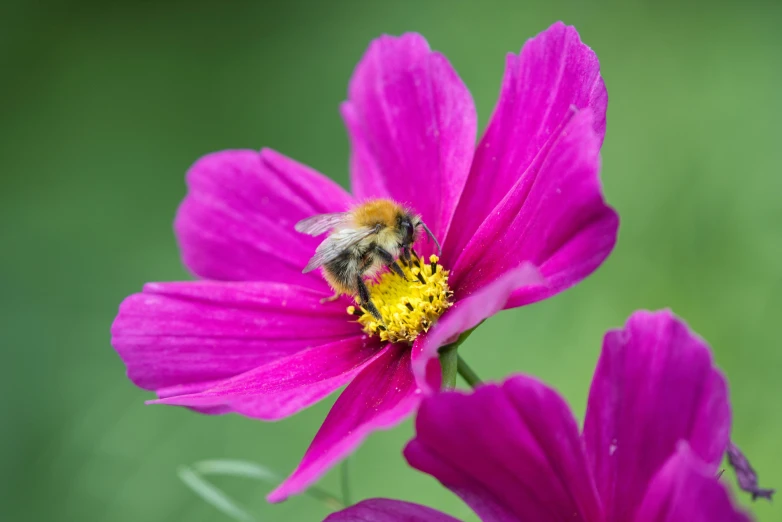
<point x="106" y="104"/>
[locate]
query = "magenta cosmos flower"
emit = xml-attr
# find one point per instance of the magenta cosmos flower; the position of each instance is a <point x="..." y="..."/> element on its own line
<point x="657" y="426"/>
<point x="520" y="217"/>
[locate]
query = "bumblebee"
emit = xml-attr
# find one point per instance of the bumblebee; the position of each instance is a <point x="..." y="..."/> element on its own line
<point x="361" y="242"/>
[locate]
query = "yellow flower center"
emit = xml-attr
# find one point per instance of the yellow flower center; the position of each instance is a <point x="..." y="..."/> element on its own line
<point x="409" y="306"/>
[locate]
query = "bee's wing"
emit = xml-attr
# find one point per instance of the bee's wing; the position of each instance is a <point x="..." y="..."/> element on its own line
<point x="336" y="244"/>
<point x="316" y="225"/>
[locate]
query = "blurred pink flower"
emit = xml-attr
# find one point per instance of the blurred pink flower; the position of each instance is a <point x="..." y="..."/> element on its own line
<point x="253" y="337"/>
<point x="657" y="426"/>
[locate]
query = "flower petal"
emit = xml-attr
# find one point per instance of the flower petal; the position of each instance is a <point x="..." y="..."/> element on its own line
<point x="465" y="314"/>
<point x="412" y="127"/>
<point x="685" y="489"/>
<point x="655" y="384"/>
<point x="387" y="510"/>
<point x="185" y="336"/>
<point x="284" y="386"/>
<point x="236" y="223"/>
<point x="511" y="451"/>
<point x="554" y="74"/>
<point x="380" y="397"/>
<point x="554" y="217"/>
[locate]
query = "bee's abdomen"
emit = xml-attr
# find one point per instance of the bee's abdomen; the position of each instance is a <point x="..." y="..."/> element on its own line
<point x="342" y="273"/>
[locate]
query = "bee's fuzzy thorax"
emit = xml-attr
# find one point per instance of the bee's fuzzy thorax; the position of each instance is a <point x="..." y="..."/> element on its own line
<point x="377" y="211"/>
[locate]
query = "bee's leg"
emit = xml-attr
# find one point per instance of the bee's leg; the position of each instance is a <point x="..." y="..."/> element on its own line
<point x="388" y="259"/>
<point x="330" y="299"/>
<point x="397" y="270"/>
<point x="402" y="258"/>
<point x="366" y="301"/>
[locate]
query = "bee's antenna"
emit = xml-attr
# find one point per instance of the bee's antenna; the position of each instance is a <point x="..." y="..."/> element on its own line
<point x="429" y="233"/>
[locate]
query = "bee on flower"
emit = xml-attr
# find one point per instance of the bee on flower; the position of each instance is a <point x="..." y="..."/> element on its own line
<point x="360" y="243"/>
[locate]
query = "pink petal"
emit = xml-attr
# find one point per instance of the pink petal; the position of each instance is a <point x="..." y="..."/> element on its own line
<point x="511" y="451"/>
<point x="284" y="386"/>
<point x="655" y="384"/>
<point x="387" y="510"/>
<point x="686" y="490"/>
<point x="467" y="313"/>
<point x="412" y="127"/>
<point x="183" y="337"/>
<point x="554" y="74"/>
<point x="380" y="397"/>
<point x="237" y="220"/>
<point x="554" y="217"/>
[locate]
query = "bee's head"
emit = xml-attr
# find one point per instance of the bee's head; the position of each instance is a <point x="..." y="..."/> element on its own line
<point x="408" y="229"/>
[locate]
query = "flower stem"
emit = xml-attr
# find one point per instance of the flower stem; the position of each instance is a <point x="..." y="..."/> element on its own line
<point x="467" y="373"/>
<point x="448" y="362"/>
<point x="325" y="497"/>
<point x="451" y="363"/>
<point x="345" y="481"/>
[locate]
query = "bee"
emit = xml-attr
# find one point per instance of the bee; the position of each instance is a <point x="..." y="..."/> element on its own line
<point x="361" y="242"/>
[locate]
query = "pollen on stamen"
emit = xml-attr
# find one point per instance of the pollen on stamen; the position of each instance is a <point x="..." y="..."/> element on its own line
<point x="409" y="306"/>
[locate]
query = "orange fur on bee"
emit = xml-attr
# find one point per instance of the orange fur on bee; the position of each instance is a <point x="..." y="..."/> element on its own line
<point x="383" y="211"/>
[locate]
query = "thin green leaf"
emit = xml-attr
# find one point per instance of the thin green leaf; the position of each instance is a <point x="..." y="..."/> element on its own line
<point x="250" y="470"/>
<point x="237" y="468"/>
<point x="214" y="496"/>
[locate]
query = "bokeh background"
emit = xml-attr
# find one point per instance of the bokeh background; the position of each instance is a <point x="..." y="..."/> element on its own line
<point x="106" y="104"/>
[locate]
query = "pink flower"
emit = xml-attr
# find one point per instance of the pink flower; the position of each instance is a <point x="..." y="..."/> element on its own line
<point x="253" y="337"/>
<point x="657" y="426"/>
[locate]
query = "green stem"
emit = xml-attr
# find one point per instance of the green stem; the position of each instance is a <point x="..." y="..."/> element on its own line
<point x="325" y="497"/>
<point x="345" y="479"/>
<point x="452" y="364"/>
<point x="467" y="373"/>
<point x="448" y="362"/>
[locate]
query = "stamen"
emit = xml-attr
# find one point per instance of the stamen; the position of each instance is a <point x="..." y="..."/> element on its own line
<point x="408" y="305"/>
